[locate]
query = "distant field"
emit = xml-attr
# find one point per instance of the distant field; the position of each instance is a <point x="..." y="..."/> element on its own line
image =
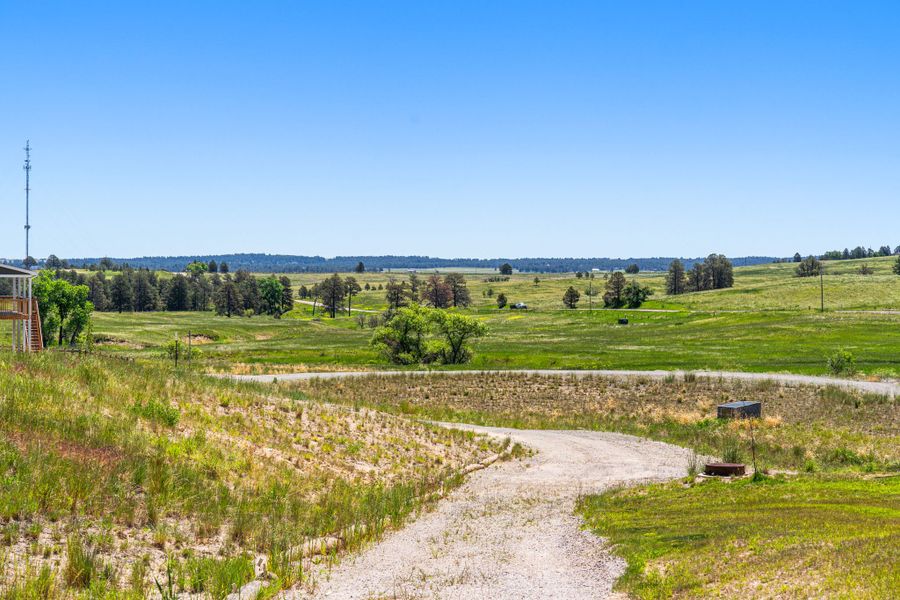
<point x="758" y="288"/>
<point x="781" y="341"/>
<point x="767" y="322"/>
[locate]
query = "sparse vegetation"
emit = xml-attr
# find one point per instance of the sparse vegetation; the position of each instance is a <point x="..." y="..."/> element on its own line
<point x="837" y="429"/>
<point x="139" y="460"/>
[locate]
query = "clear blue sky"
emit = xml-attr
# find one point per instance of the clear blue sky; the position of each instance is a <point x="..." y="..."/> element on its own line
<point x="450" y="128"/>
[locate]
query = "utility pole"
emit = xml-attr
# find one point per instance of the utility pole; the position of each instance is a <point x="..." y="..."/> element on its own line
<point x="27" y="169"/>
<point x="822" y="287"/>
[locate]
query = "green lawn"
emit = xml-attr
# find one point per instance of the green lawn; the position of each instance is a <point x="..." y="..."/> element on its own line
<point x="805" y="537"/>
<point x="767" y="341"/>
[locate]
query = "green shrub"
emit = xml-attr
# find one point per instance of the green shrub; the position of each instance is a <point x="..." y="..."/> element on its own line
<point x="182" y="349"/>
<point x="842" y="362"/>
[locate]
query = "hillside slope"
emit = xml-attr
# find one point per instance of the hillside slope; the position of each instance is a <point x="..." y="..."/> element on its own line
<point x="114" y="471"/>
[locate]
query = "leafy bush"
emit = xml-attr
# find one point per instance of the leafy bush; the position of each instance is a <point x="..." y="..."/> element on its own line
<point x="181" y="349"/>
<point x="417" y="334"/>
<point x="842" y="362"/>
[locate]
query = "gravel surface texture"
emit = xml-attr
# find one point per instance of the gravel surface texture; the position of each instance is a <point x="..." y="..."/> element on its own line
<point x="510" y="531"/>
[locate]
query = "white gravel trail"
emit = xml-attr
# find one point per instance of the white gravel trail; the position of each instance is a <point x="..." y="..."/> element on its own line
<point x="510" y="531"/>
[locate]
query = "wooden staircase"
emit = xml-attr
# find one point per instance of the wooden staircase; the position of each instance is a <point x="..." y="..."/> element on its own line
<point x="37" y="339"/>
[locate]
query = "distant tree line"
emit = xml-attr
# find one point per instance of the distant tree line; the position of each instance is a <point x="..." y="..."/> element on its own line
<point x="141" y="290"/>
<point x="852" y="254"/>
<point x="281" y="263"/>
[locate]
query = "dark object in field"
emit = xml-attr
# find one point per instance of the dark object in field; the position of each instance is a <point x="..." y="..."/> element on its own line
<point x="745" y="409"/>
<point x="519" y="306"/>
<point x="623" y="321"/>
<point x="724" y="469"/>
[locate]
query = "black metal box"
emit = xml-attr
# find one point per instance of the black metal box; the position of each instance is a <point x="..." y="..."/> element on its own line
<point x="740" y="410"/>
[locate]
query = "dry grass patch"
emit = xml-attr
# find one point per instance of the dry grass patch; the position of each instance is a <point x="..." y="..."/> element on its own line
<point x="804" y="427"/>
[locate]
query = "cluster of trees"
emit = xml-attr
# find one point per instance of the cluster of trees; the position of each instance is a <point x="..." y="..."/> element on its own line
<point x="416" y="334"/>
<point x="449" y="291"/>
<point x="64" y="307"/>
<point x="855" y="253"/>
<point x="331" y="293"/>
<point x="144" y="291"/>
<point x="619" y="293"/>
<point x="714" y="273"/>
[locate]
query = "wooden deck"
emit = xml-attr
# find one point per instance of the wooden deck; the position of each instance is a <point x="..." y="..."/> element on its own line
<point x="13" y="309"/>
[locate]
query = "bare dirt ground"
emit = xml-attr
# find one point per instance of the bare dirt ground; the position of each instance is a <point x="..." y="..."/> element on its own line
<point x="510" y="531"/>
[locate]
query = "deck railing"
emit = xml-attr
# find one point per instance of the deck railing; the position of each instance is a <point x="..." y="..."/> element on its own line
<point x="11" y="307"/>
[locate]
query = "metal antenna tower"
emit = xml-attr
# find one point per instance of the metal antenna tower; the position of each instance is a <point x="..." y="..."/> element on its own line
<point x="27" y="168"/>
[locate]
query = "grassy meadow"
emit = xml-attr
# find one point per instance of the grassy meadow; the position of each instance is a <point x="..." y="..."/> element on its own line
<point x="119" y="474"/>
<point x="779" y="537"/>
<point x="768" y="322"/>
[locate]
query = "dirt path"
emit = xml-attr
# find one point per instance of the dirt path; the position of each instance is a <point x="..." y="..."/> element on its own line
<point x="510" y="532"/>
<point x="890" y="388"/>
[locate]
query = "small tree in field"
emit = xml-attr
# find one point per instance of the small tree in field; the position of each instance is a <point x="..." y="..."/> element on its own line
<point x="456" y="331"/>
<point x="635" y="294"/>
<point x="402" y="338"/>
<point x="571" y="298"/>
<point x="865" y="269"/>
<point x="501" y="300"/>
<point x="333" y="292"/>
<point x="506" y="269"/>
<point x="615" y="291"/>
<point x="809" y="267"/>
<point x="896" y="267"/>
<point x="675" y="279"/>
<point x="632" y="269"/>
<point x="352" y="288"/>
<point x="270" y="291"/>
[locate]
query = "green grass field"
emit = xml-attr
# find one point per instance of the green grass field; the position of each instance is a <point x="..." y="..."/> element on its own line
<point x="757" y="288"/>
<point x="767" y="322"/>
<point x="783" y="537"/>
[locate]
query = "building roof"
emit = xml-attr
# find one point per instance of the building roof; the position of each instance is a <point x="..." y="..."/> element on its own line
<point x="11" y="271"/>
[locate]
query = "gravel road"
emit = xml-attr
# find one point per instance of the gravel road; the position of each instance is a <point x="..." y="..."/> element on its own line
<point x="510" y="532"/>
<point x="890" y="388"/>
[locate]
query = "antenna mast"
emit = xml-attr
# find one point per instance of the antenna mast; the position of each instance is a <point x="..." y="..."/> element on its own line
<point x="27" y="168"/>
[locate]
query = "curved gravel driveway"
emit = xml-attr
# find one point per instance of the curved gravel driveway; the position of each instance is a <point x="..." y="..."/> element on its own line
<point x="510" y="531"/>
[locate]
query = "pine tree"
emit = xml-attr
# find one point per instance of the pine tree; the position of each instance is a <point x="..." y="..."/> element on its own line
<point x="675" y="280"/>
